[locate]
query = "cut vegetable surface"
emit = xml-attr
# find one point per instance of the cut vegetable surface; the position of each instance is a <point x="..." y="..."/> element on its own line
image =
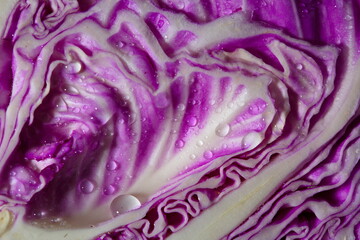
<point x="164" y="119"/>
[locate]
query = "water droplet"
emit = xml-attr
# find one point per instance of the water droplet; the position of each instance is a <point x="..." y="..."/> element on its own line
<point x="222" y="129"/>
<point x="208" y="154"/>
<point x="91" y="89"/>
<point x="109" y="190"/>
<point x="181" y="5"/>
<point x="192" y="121"/>
<point x="348" y="17"/>
<point x="73" y="67"/>
<point x="181" y="107"/>
<point x="179" y="143"/>
<point x="161" y="101"/>
<point x="111" y="166"/>
<point x="72" y="90"/>
<point x="193" y="156"/>
<point x="251" y="140"/>
<point x="230" y="105"/>
<point x="338" y="40"/>
<point x="132" y="118"/>
<point x="200" y="143"/>
<point x="212" y="102"/>
<point x="86" y="186"/>
<point x="124" y="203"/>
<point x="299" y="66"/>
<point x="119" y="44"/>
<point x="161" y="23"/>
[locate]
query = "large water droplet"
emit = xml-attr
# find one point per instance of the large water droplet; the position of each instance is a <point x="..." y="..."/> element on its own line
<point x="111" y="166"/>
<point x="208" y="154"/>
<point x="161" y="101"/>
<point x="222" y="130"/>
<point x="179" y="143"/>
<point x="73" y="67"/>
<point x="124" y="203"/>
<point x="86" y="186"/>
<point x="108" y="190"/>
<point x="192" y="121"/>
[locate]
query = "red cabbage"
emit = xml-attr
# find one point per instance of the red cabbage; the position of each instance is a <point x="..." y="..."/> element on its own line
<point x="175" y="119"/>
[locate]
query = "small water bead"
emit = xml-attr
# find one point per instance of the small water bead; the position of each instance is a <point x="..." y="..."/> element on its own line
<point x="181" y="107"/>
<point x="91" y="89"/>
<point x="299" y="66"/>
<point x="123" y="204"/>
<point x="222" y="130"/>
<point x="111" y="166"/>
<point x="180" y="5"/>
<point x="179" y="143"/>
<point x="132" y="118"/>
<point x="119" y="44"/>
<point x="348" y="17"/>
<point x="39" y="214"/>
<point x="200" y="143"/>
<point x="86" y="186"/>
<point x="108" y="190"/>
<point x="230" y="105"/>
<point x="192" y="156"/>
<point x="208" y="154"/>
